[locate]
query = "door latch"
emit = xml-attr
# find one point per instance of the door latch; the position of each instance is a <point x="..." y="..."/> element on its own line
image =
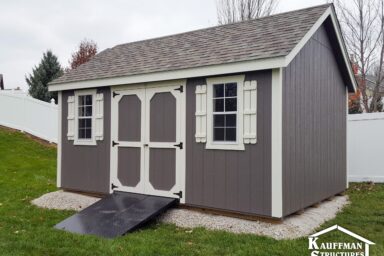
<point x="114" y="143"/>
<point x="180" y="145"/>
<point x="181" y="88"/>
<point x="179" y="194"/>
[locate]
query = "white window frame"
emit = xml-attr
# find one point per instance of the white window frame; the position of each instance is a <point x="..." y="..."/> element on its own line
<point x="225" y="145"/>
<point x="92" y="140"/>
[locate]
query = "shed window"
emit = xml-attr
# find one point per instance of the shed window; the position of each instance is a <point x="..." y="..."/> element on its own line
<point x="85" y="116"/>
<point x="224" y="111"/>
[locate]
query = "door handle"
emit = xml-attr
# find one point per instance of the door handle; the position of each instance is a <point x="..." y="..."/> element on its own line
<point x="180" y="145"/>
<point x="145" y="145"/>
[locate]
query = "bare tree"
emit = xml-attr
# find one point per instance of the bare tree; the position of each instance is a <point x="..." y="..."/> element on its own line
<point x="376" y="97"/>
<point x="362" y="32"/>
<point x="230" y="11"/>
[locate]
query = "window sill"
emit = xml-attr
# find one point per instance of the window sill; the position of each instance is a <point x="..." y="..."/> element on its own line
<point x="225" y="146"/>
<point x="84" y="143"/>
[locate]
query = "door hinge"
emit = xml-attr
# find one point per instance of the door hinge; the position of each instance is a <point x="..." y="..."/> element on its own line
<point x="113" y="186"/>
<point x="115" y="94"/>
<point x="179" y="194"/>
<point x="181" y="88"/>
<point x="114" y="143"/>
<point x="180" y="145"/>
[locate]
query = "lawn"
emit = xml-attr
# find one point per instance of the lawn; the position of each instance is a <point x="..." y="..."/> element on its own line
<point x="27" y="170"/>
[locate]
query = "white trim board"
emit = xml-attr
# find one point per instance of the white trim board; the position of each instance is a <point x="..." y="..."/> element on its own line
<point x="212" y="70"/>
<point x="277" y="146"/>
<point x="59" y="143"/>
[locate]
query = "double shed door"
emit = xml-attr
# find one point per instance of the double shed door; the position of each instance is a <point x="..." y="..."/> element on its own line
<point x="148" y="151"/>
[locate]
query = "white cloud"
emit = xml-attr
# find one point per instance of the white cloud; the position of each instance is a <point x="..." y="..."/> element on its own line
<point x="28" y="28"/>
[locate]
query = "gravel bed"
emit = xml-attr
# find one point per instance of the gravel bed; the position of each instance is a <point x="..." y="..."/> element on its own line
<point x="294" y="226"/>
<point x="61" y="200"/>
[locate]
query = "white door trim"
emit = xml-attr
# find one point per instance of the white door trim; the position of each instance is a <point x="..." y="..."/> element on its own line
<point x="180" y="136"/>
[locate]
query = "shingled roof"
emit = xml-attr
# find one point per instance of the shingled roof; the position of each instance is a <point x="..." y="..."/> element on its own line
<point x="266" y="37"/>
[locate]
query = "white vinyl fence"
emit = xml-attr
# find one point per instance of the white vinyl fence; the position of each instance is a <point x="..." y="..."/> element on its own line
<point x="22" y="112"/>
<point x="366" y="147"/>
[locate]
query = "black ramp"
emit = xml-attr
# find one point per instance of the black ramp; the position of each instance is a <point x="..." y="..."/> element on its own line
<point x="117" y="214"/>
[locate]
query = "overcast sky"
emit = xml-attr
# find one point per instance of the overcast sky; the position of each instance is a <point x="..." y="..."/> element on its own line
<point x="28" y="28"/>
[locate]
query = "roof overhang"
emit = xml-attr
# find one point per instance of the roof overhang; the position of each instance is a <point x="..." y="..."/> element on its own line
<point x="236" y="67"/>
<point x="230" y="68"/>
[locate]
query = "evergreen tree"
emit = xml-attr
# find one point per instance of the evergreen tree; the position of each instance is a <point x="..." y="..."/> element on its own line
<point x="48" y="69"/>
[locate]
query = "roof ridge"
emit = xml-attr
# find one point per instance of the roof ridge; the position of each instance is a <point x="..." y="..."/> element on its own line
<point x="224" y="25"/>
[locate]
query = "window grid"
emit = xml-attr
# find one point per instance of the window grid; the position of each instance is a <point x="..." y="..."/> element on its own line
<point x="85" y="116"/>
<point x="225" y="122"/>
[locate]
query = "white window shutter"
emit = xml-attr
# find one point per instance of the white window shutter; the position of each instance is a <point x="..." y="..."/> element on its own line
<point x="201" y="114"/>
<point x="99" y="117"/>
<point x="250" y="112"/>
<point x="71" y="118"/>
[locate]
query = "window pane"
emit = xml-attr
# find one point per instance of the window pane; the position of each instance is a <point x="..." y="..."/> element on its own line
<point x="81" y="123"/>
<point x="231" y="90"/>
<point x="230" y="134"/>
<point x="218" y="120"/>
<point x="81" y="111"/>
<point x="88" y="133"/>
<point x="230" y="120"/>
<point x="218" y="134"/>
<point x="81" y="133"/>
<point x="88" y="123"/>
<point x="218" y="105"/>
<point x="218" y="90"/>
<point x="88" y="111"/>
<point x="88" y="100"/>
<point x="81" y="100"/>
<point x="231" y="104"/>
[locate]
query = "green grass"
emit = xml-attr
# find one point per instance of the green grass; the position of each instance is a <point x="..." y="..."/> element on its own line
<point x="27" y="170"/>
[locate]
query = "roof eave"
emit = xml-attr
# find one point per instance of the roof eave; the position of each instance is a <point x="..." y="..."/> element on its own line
<point x="203" y="71"/>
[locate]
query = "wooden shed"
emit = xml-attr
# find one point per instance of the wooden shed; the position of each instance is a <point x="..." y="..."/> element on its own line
<point x="247" y="118"/>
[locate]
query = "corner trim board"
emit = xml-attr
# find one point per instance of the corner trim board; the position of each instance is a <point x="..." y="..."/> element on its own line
<point x="59" y="143"/>
<point x="277" y="148"/>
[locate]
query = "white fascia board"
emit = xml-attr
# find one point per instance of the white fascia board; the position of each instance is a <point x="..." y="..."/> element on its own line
<point x="328" y="13"/>
<point x="213" y="70"/>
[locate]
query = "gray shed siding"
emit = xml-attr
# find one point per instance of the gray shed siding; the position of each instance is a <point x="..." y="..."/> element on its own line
<point x="86" y="168"/>
<point x="314" y="126"/>
<point x="238" y="181"/>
